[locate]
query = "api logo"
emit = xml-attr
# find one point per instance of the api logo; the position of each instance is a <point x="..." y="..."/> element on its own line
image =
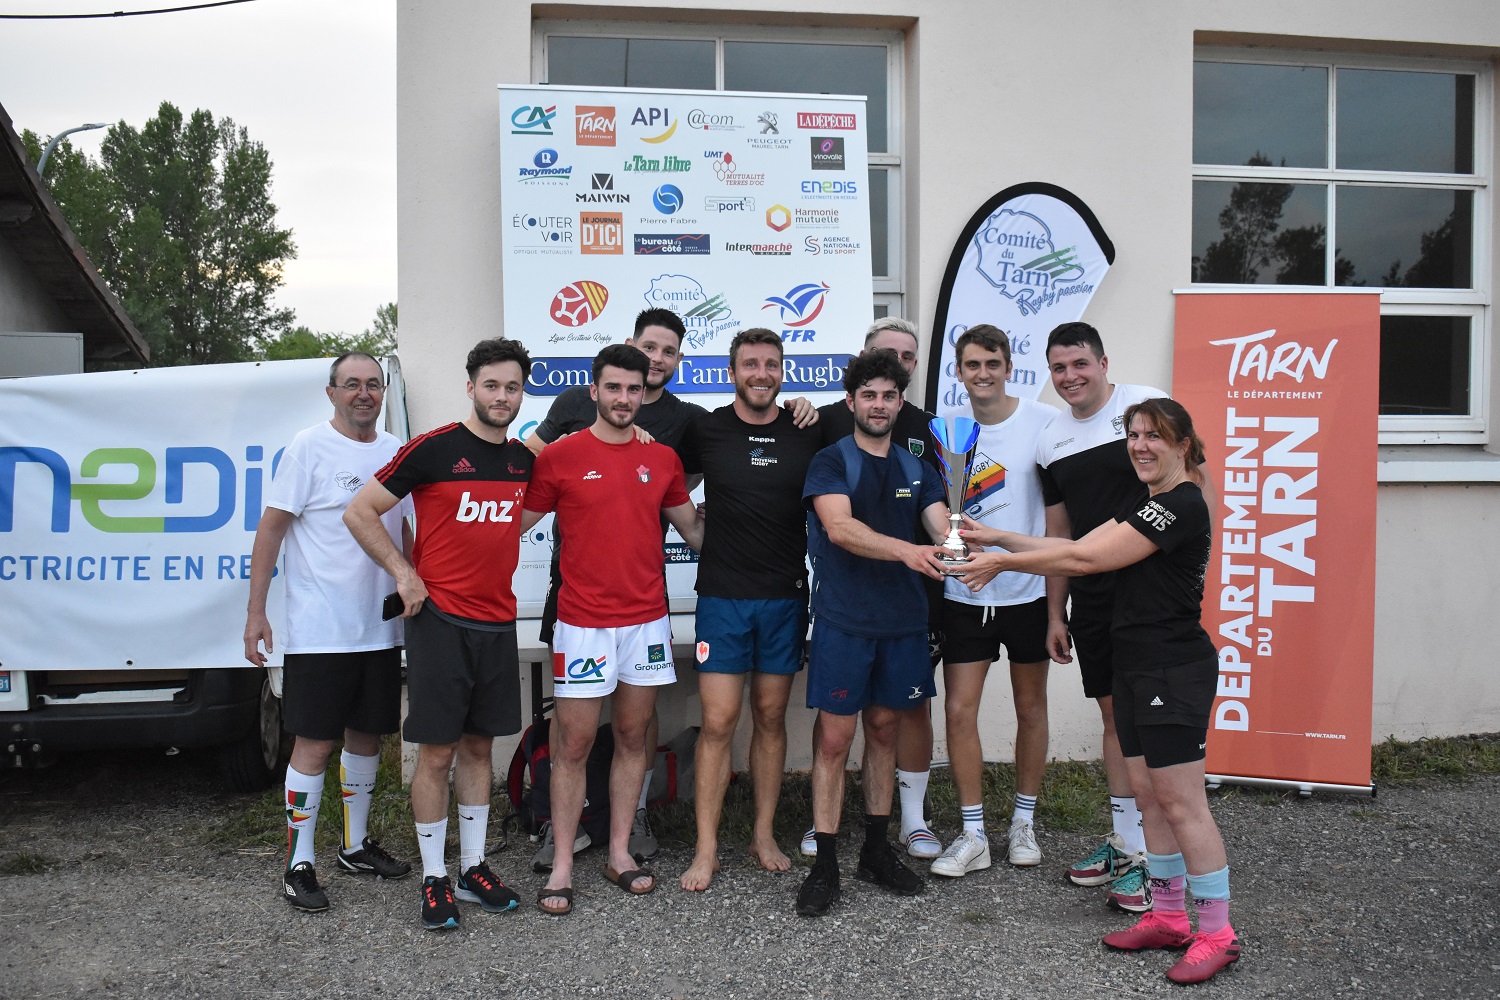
<point x="800" y="306"/>
<point x="532" y="120"/>
<point x="578" y="303"/>
<point x="655" y="117"/>
<point x="667" y="199"/>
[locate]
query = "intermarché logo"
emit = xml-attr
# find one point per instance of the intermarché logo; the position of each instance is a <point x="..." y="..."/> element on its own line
<point x="235" y="486"/>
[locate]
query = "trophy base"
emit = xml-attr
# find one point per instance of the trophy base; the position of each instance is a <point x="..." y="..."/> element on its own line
<point x="954" y="566"/>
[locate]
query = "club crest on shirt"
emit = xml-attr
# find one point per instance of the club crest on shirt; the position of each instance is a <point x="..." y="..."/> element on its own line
<point x="643" y="473"/>
<point x="348" y="481"/>
<point x="1118" y="423"/>
<point x="916" y="446"/>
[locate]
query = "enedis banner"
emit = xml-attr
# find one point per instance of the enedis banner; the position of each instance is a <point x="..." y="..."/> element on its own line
<point x="732" y="210"/>
<point x="1283" y="388"/>
<point x="1028" y="260"/>
<point x="128" y="507"/>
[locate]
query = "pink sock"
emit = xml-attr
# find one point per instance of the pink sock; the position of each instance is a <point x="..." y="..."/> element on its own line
<point x="1167" y="895"/>
<point x="1213" y="915"/>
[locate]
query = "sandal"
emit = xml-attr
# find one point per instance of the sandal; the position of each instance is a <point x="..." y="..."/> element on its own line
<point x="626" y="880"/>
<point x="565" y="893"/>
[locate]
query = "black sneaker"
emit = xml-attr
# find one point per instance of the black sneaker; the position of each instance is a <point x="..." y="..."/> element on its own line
<point x="439" y="911"/>
<point x="883" y="867"/>
<point x="302" y="890"/>
<point x="372" y="859"/>
<point x="819" y="891"/>
<point x="479" y="885"/>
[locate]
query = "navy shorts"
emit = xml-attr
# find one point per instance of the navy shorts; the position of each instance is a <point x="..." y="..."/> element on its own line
<point x="738" y="636"/>
<point x="848" y="673"/>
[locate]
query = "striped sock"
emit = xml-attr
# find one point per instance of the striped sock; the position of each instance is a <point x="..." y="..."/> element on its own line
<point x="357" y="774"/>
<point x="973" y="818"/>
<point x="304" y="794"/>
<point x="1025" y="808"/>
<point x="1168" y="875"/>
<point x="1211" y="898"/>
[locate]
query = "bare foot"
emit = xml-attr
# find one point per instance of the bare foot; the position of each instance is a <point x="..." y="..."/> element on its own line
<point x="700" y="874"/>
<point x="769" y="855"/>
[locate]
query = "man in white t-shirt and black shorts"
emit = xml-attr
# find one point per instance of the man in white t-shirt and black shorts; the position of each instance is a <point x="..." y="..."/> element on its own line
<point x="341" y="677"/>
<point x="467" y="481"/>
<point x="1087" y="478"/>
<point x="1010" y="611"/>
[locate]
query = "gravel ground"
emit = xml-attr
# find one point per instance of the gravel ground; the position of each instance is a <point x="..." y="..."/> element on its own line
<point x="1334" y="897"/>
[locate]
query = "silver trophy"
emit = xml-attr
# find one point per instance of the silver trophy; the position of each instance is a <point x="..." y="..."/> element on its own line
<point x="956" y="438"/>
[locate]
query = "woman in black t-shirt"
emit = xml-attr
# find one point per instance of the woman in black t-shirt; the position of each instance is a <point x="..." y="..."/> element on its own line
<point x="1166" y="673"/>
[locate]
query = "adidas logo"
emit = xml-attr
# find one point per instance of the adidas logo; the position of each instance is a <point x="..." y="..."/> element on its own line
<point x="462" y="465"/>
<point x="1156" y="702"/>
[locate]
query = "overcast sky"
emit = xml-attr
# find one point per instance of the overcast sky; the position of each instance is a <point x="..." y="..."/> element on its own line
<point x="314" y="80"/>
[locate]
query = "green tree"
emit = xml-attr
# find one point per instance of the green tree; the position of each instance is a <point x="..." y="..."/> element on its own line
<point x="302" y="342"/>
<point x="178" y="218"/>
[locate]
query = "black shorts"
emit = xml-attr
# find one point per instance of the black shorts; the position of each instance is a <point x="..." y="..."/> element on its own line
<point x="1161" y="713"/>
<point x="1095" y="652"/>
<point x="974" y="633"/>
<point x="459" y="680"/>
<point x="323" y="694"/>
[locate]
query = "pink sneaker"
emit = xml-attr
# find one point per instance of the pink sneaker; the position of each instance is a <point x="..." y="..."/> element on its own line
<point x="1152" y="931"/>
<point x="1207" y="954"/>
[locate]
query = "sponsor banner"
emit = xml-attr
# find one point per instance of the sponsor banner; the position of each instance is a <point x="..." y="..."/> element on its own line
<point x="1283" y="389"/>
<point x="1029" y="260"/>
<point x="732" y="210"/>
<point x="128" y="507"/>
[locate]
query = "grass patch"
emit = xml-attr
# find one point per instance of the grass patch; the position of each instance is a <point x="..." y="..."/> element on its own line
<point x="1400" y="763"/>
<point x="27" y="864"/>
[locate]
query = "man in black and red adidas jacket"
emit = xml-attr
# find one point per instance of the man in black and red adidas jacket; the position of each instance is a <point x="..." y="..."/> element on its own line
<point x="467" y="481"/>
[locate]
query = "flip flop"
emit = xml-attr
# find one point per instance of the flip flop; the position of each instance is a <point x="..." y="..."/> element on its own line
<point x="566" y="894"/>
<point x="626" y="880"/>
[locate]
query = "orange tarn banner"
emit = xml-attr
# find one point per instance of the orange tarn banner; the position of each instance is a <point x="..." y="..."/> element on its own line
<point x="1284" y="390"/>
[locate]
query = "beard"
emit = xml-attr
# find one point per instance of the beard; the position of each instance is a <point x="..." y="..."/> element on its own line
<point x="871" y="430"/>
<point x="613" y="417"/>
<point x="744" y="396"/>
<point x="484" y="417"/>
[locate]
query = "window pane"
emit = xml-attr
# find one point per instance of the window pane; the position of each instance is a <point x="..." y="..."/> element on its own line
<point x="1260" y="115"/>
<point x="630" y="62"/>
<point x="1407" y="237"/>
<point x="1390" y="120"/>
<point x="880" y="227"/>
<point x="1259" y="234"/>
<point x="795" y="68"/>
<point x="1424" y="365"/>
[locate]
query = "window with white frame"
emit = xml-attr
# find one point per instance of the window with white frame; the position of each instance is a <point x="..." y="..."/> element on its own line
<point x="1330" y="171"/>
<point x="759" y="59"/>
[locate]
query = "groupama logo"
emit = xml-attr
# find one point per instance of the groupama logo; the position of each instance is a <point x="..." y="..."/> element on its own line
<point x="194" y="478"/>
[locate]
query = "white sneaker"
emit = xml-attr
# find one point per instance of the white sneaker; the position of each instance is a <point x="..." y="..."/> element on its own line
<point x="922" y="843"/>
<point x="809" y="843"/>
<point x="969" y="852"/>
<point x="1024" y="851"/>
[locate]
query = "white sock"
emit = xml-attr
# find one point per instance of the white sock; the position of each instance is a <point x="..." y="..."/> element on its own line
<point x="473" y="824"/>
<point x="973" y="818"/>
<point x="1127" y="823"/>
<point x="357" y="774"/>
<point x="304" y="793"/>
<point x="645" y="788"/>
<point x="1025" y="808"/>
<point x="432" y="838"/>
<point x="913" y="788"/>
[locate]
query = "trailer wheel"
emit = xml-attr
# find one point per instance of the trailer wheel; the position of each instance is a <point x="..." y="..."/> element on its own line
<point x="255" y="760"/>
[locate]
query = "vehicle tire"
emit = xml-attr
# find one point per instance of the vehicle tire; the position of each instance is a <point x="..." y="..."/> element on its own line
<point x="256" y="760"/>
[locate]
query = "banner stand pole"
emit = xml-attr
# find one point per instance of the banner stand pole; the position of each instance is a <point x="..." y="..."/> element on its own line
<point x="1303" y="788"/>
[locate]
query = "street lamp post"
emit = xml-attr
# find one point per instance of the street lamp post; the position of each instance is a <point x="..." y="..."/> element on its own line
<point x="41" y="165"/>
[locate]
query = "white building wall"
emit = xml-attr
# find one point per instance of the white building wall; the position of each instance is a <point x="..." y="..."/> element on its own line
<point x="1095" y="96"/>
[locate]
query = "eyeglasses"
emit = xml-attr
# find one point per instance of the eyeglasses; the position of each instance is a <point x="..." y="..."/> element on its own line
<point x="374" y="386"/>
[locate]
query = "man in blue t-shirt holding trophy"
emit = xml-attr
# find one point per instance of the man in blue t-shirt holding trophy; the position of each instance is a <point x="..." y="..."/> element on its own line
<point x="874" y="507"/>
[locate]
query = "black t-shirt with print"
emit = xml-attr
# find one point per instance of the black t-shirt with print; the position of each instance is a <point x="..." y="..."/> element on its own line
<point x="1159" y="600"/>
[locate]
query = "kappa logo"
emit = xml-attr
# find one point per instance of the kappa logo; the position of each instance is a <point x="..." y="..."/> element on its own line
<point x="348" y="481"/>
<point x="701" y="652"/>
<point x="1156" y="702"/>
<point x="643" y="473"/>
<point x="462" y="466"/>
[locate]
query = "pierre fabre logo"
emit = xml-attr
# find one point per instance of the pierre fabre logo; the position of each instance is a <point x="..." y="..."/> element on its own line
<point x="1017" y="256"/>
<point x="532" y="120"/>
<point x="798" y="308"/>
<point x="578" y="303"/>
<point x="705" y="316"/>
<point x="544" y="169"/>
